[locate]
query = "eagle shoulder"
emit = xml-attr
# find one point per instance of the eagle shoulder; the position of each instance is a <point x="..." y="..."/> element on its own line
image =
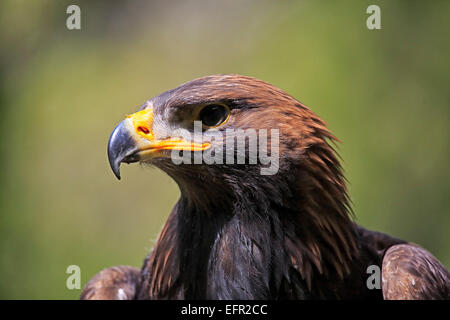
<point x="115" y="283"/>
<point x="410" y="272"/>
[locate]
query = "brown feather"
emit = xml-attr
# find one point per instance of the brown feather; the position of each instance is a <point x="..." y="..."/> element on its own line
<point x="116" y="283"/>
<point x="234" y="234"/>
<point x="412" y="273"/>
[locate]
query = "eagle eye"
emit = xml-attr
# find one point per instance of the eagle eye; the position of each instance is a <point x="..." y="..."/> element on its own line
<point x="214" y="115"/>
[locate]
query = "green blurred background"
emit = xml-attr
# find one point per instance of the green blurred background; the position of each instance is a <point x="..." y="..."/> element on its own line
<point x="384" y="93"/>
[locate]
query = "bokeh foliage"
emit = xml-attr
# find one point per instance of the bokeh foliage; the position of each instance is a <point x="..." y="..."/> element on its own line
<point x="384" y="94"/>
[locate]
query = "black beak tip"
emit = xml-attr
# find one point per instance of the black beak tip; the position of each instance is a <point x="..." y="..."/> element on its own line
<point x="120" y="146"/>
<point x="114" y="158"/>
<point x="116" y="169"/>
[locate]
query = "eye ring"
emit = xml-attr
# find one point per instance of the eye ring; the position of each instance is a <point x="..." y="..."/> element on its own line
<point x="214" y="115"/>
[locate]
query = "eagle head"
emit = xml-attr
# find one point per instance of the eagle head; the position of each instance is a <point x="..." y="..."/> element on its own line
<point x="221" y="132"/>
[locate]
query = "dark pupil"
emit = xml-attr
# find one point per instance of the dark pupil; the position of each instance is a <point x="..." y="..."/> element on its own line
<point x="213" y="115"/>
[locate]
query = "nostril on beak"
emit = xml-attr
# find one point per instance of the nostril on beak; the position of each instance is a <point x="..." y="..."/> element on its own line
<point x="144" y="130"/>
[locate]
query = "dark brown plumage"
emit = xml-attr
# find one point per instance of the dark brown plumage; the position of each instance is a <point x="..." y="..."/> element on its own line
<point x="237" y="234"/>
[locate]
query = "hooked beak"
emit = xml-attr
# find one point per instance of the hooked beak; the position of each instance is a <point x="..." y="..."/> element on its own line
<point x="133" y="140"/>
<point x="121" y="148"/>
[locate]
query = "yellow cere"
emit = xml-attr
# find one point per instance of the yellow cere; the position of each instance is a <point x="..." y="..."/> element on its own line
<point x="143" y="122"/>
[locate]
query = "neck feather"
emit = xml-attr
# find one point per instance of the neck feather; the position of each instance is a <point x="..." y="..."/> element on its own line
<point x="259" y="234"/>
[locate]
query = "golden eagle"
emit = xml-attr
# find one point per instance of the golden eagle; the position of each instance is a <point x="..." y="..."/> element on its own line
<point x="240" y="233"/>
